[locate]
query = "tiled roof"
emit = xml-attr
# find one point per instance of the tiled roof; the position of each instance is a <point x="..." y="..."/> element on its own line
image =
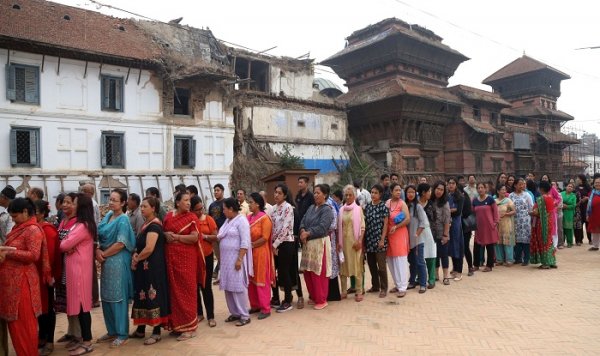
<point x="558" y="137"/>
<point x="536" y="111"/>
<point x="474" y="94"/>
<point x="388" y="28"/>
<point x="519" y="66"/>
<point x="480" y="126"/>
<point x="389" y="88"/>
<point x="71" y="28"/>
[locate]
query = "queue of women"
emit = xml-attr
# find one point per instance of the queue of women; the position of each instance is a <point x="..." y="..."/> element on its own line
<point x="167" y="268"/>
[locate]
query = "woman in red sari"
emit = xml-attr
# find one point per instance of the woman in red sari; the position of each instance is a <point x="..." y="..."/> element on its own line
<point x="261" y="228"/>
<point x="47" y="321"/>
<point x="20" y="301"/>
<point x="184" y="262"/>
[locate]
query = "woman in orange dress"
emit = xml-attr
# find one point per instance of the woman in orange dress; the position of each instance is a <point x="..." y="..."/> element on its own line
<point x="208" y="235"/>
<point x="183" y="256"/>
<point x="261" y="227"/>
<point x="20" y="301"/>
<point x="398" y="240"/>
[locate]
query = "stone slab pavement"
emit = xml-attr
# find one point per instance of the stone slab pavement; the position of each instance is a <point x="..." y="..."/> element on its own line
<point x="510" y="311"/>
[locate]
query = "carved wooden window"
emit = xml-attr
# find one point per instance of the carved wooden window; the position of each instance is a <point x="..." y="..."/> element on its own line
<point x="476" y="113"/>
<point x="23" y="83"/>
<point x="429" y="163"/>
<point x="497" y="165"/>
<point x="181" y="101"/>
<point x="24" y="147"/>
<point x="411" y="164"/>
<point x="478" y="162"/>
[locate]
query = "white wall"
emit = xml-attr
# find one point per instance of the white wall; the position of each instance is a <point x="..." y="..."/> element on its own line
<point x="71" y="121"/>
<point x="294" y="84"/>
<point x="284" y="123"/>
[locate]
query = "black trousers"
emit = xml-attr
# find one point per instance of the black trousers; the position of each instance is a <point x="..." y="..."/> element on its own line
<point x="85" y="321"/>
<point x="468" y="254"/>
<point x="47" y="322"/>
<point x="491" y="254"/>
<point x="287" y="270"/>
<point x="206" y="293"/>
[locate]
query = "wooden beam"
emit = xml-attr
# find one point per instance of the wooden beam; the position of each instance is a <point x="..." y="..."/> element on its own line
<point x="58" y="67"/>
<point x="100" y="71"/>
<point x="43" y="61"/>
<point x="139" y="76"/>
<point x="127" y="77"/>
<point x="85" y="70"/>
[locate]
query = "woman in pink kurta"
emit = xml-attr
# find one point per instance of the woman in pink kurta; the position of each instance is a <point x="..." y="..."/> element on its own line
<point x="486" y="234"/>
<point x="78" y="247"/>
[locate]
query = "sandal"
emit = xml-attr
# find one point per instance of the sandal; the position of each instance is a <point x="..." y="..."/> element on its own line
<point x="200" y="318"/>
<point x="394" y="290"/>
<point x="422" y="290"/>
<point x="85" y="349"/>
<point x="446" y="281"/>
<point x="401" y="294"/>
<point x="212" y="323"/>
<point x="73" y="344"/>
<point x="232" y="318"/>
<point x="118" y="343"/>
<point x="458" y="277"/>
<point x="243" y="322"/>
<point x="153" y="339"/>
<point x="487" y="269"/>
<point x="382" y="294"/>
<point x="105" y="338"/>
<point x="358" y="298"/>
<point x="186" y="336"/>
<point x="372" y="290"/>
<point x="431" y="286"/>
<point x="344" y="295"/>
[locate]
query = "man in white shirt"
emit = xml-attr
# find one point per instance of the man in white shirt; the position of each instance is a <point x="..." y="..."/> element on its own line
<point x="363" y="197"/>
<point x="471" y="187"/>
<point x="6" y="222"/>
<point x="241" y="197"/>
<point x="268" y="207"/>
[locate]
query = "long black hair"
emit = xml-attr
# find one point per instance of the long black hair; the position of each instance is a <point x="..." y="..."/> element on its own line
<point x="232" y="203"/>
<point x="42" y="207"/>
<point x="85" y="214"/>
<point x="444" y="198"/>
<point x="411" y="204"/>
<point x="285" y="190"/>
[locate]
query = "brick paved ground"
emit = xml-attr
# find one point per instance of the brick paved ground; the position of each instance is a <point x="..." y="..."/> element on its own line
<point x="516" y="310"/>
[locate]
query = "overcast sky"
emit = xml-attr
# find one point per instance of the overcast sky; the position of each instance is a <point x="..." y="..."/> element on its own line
<point x="492" y="34"/>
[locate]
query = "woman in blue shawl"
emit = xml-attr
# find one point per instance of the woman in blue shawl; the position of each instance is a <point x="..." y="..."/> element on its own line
<point x="117" y="242"/>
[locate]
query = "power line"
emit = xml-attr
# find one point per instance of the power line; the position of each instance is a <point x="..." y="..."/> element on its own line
<point x="491" y="39"/>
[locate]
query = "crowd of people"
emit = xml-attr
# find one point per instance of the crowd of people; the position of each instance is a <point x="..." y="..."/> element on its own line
<point x="165" y="261"/>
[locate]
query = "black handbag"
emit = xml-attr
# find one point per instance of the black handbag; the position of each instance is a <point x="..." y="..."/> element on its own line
<point x="469" y="223"/>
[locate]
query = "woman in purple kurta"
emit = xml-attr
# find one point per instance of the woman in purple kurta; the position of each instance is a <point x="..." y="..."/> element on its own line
<point x="486" y="234"/>
<point x="236" y="262"/>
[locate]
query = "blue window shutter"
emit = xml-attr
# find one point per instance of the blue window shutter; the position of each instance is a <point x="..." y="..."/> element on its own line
<point x="118" y="93"/>
<point x="177" y="162"/>
<point x="32" y="85"/>
<point x="121" y="162"/>
<point x="11" y="91"/>
<point x="33" y="147"/>
<point x="192" y="153"/>
<point x="103" y="150"/>
<point x="105" y="93"/>
<point x="13" y="147"/>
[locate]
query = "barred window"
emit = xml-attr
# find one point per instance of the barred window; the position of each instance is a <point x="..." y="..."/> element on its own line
<point x="24" y="147"/>
<point x="23" y="83"/>
<point x="478" y="162"/>
<point x="113" y="149"/>
<point x="411" y="164"/>
<point x="112" y="93"/>
<point x="185" y="152"/>
<point x="497" y="165"/>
